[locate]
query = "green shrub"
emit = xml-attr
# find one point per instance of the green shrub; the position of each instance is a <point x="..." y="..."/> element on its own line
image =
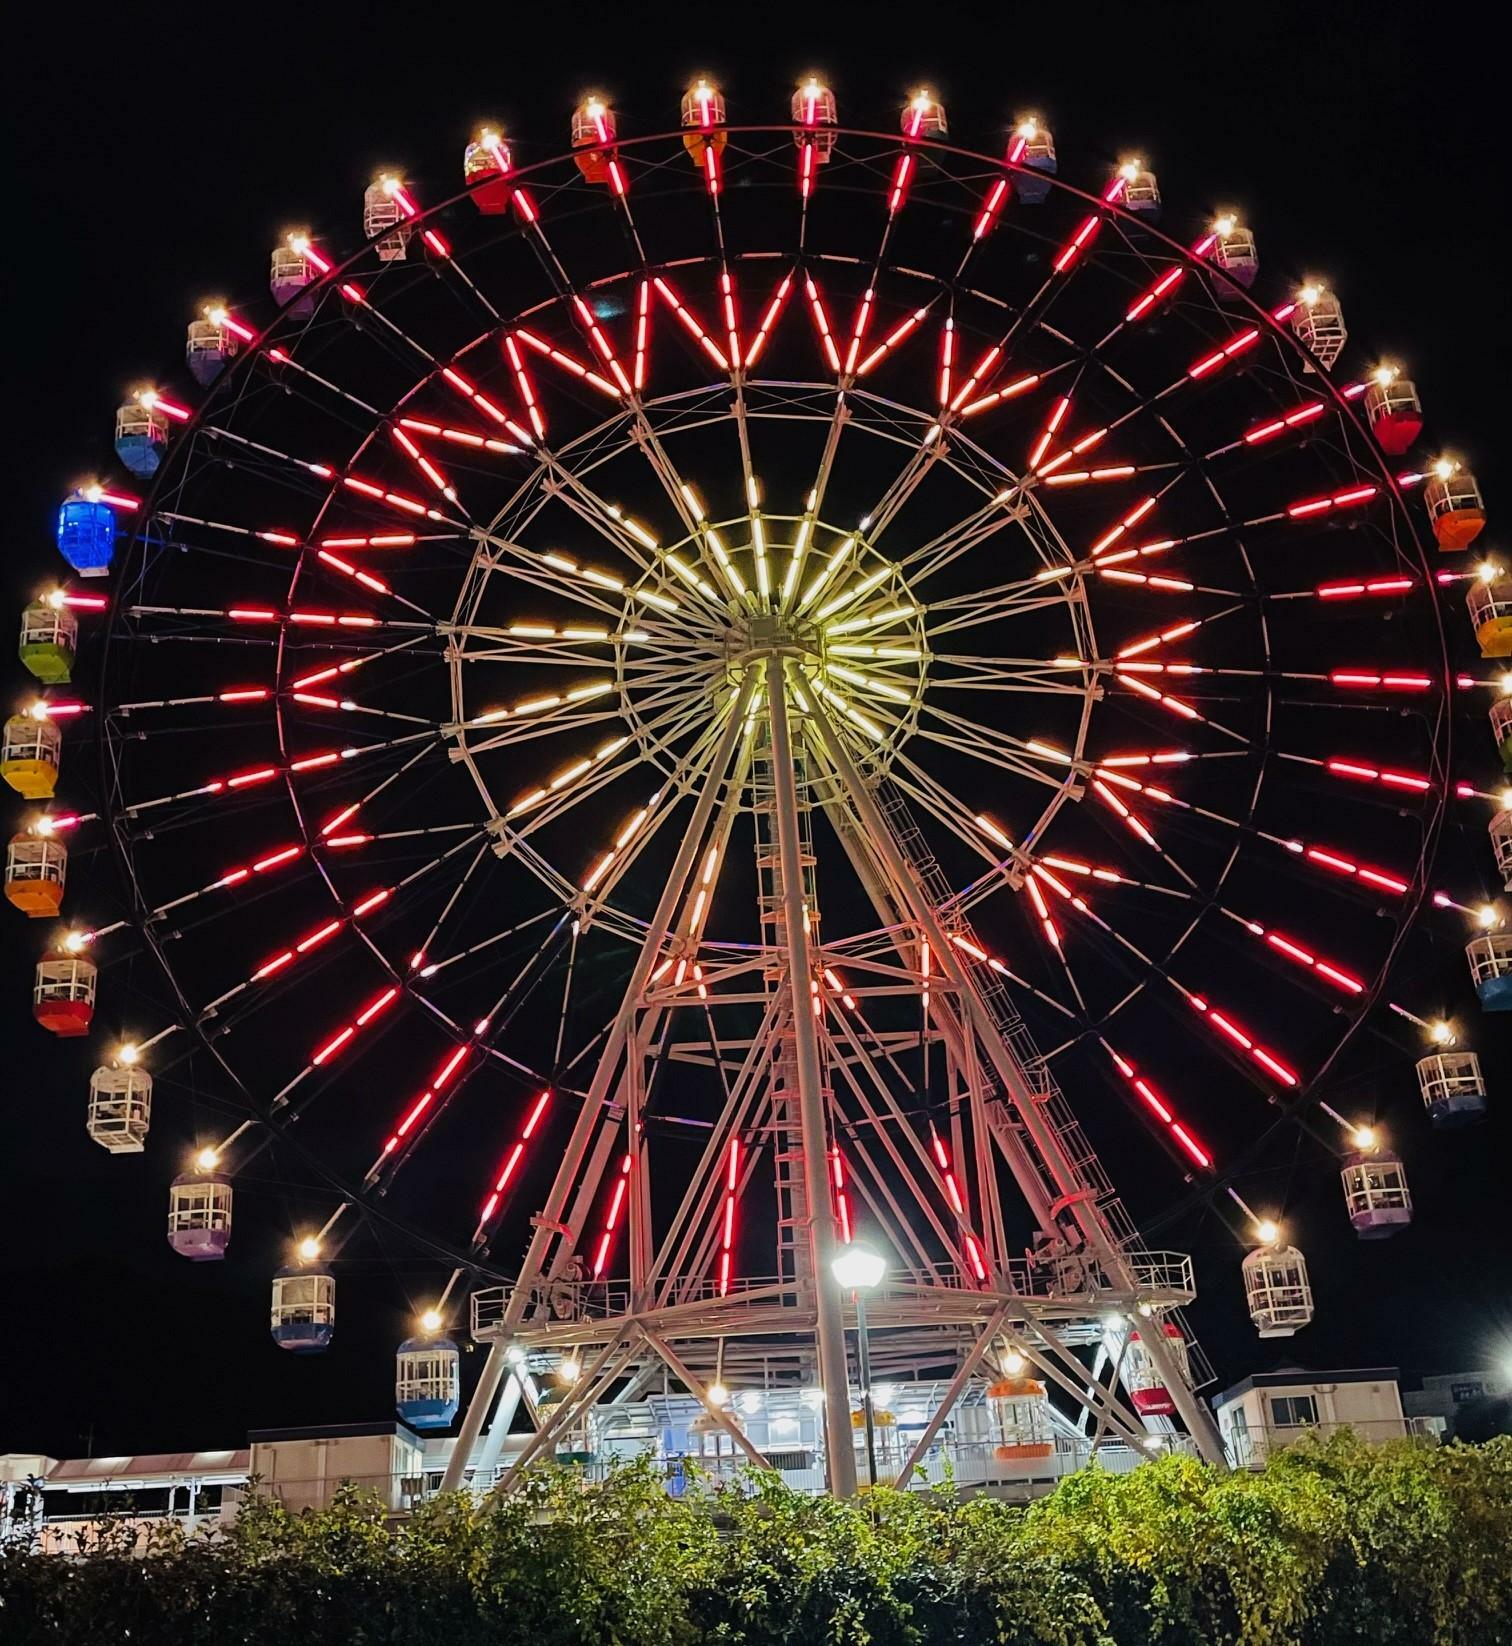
<point x="1399" y="1545"/>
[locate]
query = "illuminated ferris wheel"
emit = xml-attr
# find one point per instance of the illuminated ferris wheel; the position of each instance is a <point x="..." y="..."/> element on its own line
<point x="734" y="687"/>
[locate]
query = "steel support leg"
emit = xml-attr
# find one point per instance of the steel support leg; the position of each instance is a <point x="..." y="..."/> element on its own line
<point x="834" y="1373"/>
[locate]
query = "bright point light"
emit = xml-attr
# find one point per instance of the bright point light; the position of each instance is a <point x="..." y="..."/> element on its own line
<point x="217" y="316"/>
<point x="1309" y="295"/>
<point x="1441" y="1033"/>
<point x="515" y="1355"/>
<point x="1385" y="375"/>
<point x="1445" y="469"/>
<point x="1486" y="915"/>
<point x="569" y="1370"/>
<point x="1486" y="572"/>
<point x="1506" y="684"/>
<point x="1028" y="127"/>
<point x="858" y="1268"/>
<point x="299" y="243"/>
<point x="389" y="185"/>
<point x="43" y="826"/>
<point x="883" y="1393"/>
<point x="37" y="710"/>
<point x="147" y="399"/>
<point x="430" y="1321"/>
<point x="94" y="492"/>
<point x="207" y="1160"/>
<point x="129" y="1053"/>
<point x="55" y="599"/>
<point x="719" y="1395"/>
<point x="1267" y="1232"/>
<point x="1226" y="224"/>
<point x="1112" y="1321"/>
<point x="309" y="1248"/>
<point x="1364" y="1137"/>
<point x="73" y="942"/>
<point x="1014" y="1362"/>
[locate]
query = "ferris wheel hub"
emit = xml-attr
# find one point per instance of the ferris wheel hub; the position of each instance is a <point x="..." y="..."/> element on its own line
<point x="772" y="634"/>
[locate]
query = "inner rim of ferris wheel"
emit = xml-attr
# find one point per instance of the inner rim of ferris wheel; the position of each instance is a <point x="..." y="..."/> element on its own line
<point x="722" y="632"/>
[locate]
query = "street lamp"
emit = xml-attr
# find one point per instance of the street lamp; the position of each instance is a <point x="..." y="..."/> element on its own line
<point x="858" y="1269"/>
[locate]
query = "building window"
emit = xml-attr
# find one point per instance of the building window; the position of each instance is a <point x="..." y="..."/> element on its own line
<point x="1239" y="1437"/>
<point x="1293" y="1411"/>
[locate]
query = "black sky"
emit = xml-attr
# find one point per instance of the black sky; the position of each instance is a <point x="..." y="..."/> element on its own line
<point x="156" y="155"/>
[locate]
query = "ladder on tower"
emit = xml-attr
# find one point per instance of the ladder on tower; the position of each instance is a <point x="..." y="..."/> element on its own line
<point x="793" y="1247"/>
<point x="1091" y="1177"/>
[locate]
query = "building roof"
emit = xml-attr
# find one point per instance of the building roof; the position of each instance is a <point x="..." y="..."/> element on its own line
<point x="1303" y="1377"/>
<point x="336" y="1431"/>
<point x="150" y="1466"/>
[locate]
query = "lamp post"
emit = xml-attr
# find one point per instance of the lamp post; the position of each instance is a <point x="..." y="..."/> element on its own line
<point x="858" y="1269"/>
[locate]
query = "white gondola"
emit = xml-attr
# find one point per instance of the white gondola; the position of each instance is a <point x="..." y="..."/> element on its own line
<point x="1277" y="1290"/>
<point x="209" y="347"/>
<point x="1500" y="830"/>
<point x="1141" y="190"/>
<point x="923" y="115"/>
<point x="1149" y="1394"/>
<point x="703" y="106"/>
<point x="1489" y="604"/>
<point x="120" y="1108"/>
<point x="302" y="1314"/>
<point x="594" y="128"/>
<point x="49" y="639"/>
<point x="1456" y="510"/>
<point x="199" y="1215"/>
<point x="485" y="170"/>
<point x="1453" y="1087"/>
<point x="1020" y="1411"/>
<point x="63" y="995"/>
<point x="1318" y="322"/>
<point x="141" y="435"/>
<point x="1039" y="156"/>
<point x="1376" y="1196"/>
<point x="1393" y="410"/>
<point x="813" y="107"/>
<point x="382" y="213"/>
<point x="31" y="749"/>
<point x="427" y="1381"/>
<point x="1234" y="252"/>
<point x="291" y="274"/>
<point x="1490" y="958"/>
<point x="36" y="868"/>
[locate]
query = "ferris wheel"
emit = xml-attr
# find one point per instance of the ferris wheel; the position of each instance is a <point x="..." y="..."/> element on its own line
<point x="735" y="687"/>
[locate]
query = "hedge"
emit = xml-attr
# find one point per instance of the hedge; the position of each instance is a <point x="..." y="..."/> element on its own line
<point x="1405" y="1544"/>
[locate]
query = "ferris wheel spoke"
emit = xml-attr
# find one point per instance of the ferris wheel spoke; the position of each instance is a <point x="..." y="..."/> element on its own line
<point x="575" y="709"/>
<point x="579" y="781"/>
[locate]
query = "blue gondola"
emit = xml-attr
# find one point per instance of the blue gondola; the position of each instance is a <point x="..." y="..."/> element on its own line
<point x="86" y="534"/>
<point x="304" y="1308"/>
<point x="427" y="1376"/>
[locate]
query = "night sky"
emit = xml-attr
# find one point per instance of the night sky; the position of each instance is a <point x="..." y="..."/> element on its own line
<point x="156" y="156"/>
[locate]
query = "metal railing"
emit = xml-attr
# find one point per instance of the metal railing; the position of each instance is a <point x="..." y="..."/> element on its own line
<point x="1250" y="1448"/>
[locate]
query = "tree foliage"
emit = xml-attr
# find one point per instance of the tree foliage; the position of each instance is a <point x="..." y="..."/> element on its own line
<point x="1399" y="1545"/>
